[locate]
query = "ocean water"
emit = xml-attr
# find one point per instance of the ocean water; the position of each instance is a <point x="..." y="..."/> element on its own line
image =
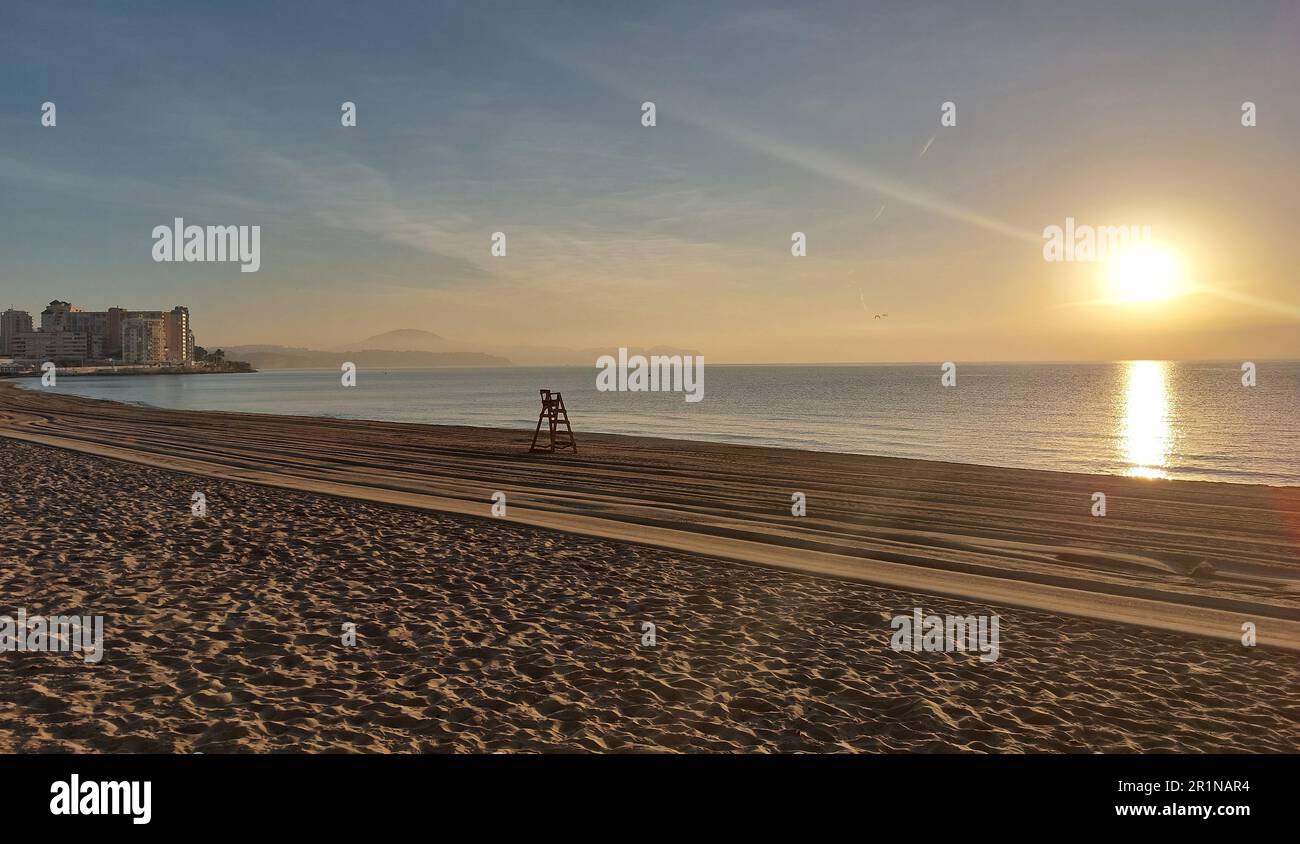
<point x="1146" y="418"/>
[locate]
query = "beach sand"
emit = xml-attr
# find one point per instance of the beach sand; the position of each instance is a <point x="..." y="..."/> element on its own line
<point x="479" y="633"/>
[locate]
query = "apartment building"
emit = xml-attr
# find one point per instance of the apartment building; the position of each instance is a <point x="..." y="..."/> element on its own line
<point x="72" y="335"/>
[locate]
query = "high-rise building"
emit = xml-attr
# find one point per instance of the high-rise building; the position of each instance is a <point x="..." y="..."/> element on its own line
<point x="94" y="324"/>
<point x="180" y="339"/>
<point x="144" y="340"/>
<point x="57" y="316"/>
<point x="76" y="335"/>
<point x="113" y="338"/>
<point x="13" y="323"/>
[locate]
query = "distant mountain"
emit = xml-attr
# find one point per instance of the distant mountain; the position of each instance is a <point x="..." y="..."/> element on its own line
<point x="562" y="356"/>
<point x="281" y="357"/>
<point x="401" y="340"/>
<point x="384" y="350"/>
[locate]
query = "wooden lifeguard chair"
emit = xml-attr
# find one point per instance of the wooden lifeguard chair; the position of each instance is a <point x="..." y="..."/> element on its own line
<point x="554" y="415"/>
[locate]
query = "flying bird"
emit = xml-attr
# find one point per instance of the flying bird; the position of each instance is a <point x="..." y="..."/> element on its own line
<point x="863" y="299"/>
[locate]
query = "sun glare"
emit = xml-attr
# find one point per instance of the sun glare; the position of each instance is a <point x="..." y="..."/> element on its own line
<point x="1143" y="273"/>
<point x="1145" y="428"/>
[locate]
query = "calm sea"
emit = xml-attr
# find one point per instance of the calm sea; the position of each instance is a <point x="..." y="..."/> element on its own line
<point x="1146" y="418"/>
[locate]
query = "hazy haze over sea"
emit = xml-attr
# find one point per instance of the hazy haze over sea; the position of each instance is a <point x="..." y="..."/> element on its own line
<point x="1146" y="418"/>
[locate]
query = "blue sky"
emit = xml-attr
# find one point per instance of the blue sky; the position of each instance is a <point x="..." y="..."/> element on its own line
<point x="475" y="118"/>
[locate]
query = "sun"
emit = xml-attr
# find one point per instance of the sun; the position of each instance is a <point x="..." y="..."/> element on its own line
<point x="1143" y="273"/>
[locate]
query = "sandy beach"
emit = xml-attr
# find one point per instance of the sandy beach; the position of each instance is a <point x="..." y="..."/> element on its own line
<point x="1119" y="634"/>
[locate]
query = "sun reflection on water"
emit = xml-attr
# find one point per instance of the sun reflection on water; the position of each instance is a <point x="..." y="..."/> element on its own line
<point x="1145" y="431"/>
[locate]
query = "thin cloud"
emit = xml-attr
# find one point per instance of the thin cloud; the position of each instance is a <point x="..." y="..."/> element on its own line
<point x="811" y="160"/>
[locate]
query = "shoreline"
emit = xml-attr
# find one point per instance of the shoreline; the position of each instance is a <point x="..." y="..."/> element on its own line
<point x="121" y="372"/>
<point x="718" y="439"/>
<point x="1192" y="557"/>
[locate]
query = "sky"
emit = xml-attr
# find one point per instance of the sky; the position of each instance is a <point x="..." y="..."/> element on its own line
<point x="820" y="118"/>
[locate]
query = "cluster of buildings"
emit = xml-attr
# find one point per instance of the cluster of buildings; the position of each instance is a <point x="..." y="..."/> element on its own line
<point x="69" y="336"/>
